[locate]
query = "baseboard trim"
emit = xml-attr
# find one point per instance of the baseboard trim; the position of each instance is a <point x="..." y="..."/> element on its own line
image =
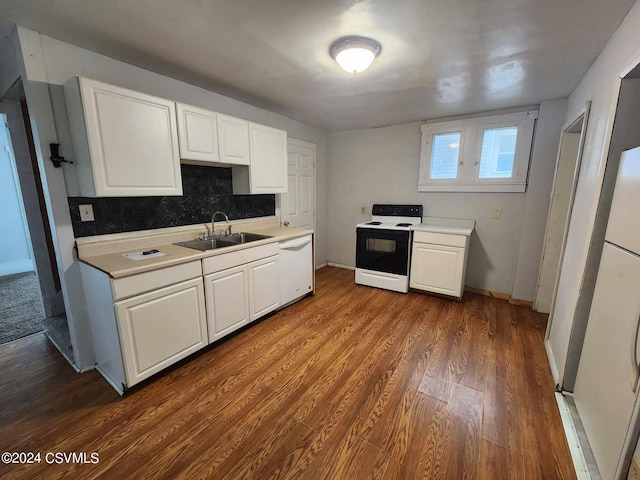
<point x="487" y="293"/>
<point x="500" y="295"/>
<point x="523" y="303"/>
<point x="322" y="265"/>
<point x="340" y="265"/>
<point x="552" y="363"/>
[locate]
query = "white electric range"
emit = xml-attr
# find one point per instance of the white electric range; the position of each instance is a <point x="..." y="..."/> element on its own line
<point x="383" y="246"/>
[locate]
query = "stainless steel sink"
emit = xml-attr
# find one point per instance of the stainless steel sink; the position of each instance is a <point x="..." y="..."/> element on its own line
<point x="245" y="237"/>
<point x="227" y="241"/>
<point x="204" y="245"/>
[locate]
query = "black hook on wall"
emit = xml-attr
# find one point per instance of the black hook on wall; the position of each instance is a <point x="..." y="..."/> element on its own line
<point x="55" y="155"/>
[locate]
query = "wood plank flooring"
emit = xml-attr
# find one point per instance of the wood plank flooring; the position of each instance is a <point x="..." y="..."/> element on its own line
<point x="353" y="383"/>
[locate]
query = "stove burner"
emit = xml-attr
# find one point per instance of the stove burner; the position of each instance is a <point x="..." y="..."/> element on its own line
<point x="403" y="225"/>
<point x="374" y="223"/>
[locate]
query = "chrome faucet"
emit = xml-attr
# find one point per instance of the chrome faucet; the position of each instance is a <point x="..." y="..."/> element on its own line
<point x="213" y="217"/>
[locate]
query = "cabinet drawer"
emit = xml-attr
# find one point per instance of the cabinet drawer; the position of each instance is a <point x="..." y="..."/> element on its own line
<point x="145" y="282"/>
<point x="441" y="239"/>
<point x="217" y="263"/>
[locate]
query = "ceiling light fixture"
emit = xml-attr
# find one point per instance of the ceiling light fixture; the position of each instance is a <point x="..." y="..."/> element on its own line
<point x="354" y="54"/>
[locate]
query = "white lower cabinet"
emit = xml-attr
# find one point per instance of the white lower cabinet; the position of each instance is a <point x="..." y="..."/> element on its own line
<point x="161" y="327"/>
<point x="264" y="286"/>
<point x="241" y="287"/>
<point x="438" y="263"/>
<point x="437" y="268"/>
<point x="227" y="294"/>
<point x="143" y="323"/>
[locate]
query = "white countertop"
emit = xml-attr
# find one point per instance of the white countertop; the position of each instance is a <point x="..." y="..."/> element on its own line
<point x="451" y="226"/>
<point x="117" y="265"/>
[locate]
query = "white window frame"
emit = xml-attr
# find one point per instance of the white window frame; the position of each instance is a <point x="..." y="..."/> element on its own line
<point x="471" y="136"/>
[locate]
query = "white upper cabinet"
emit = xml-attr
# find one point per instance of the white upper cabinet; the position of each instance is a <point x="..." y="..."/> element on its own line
<point x="268" y="168"/>
<point x="233" y="135"/>
<point x="198" y="134"/>
<point x="126" y="142"/>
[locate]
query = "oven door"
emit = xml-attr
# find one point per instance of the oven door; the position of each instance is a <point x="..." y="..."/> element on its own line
<point x="383" y="250"/>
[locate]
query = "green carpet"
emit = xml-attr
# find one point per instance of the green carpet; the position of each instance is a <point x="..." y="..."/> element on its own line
<point x="21" y="311"/>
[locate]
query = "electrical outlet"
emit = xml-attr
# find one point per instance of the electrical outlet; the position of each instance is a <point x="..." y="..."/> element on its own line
<point x="363" y="210"/>
<point x="497" y="213"/>
<point x="86" y="213"/>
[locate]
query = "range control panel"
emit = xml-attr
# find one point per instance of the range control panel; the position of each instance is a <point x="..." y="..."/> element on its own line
<point x="397" y="210"/>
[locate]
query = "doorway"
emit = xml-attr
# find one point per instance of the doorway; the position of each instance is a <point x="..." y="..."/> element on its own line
<point x="560" y="207"/>
<point x="298" y="206"/>
<point x="21" y="307"/>
<point x="36" y="223"/>
<point x="558" y="222"/>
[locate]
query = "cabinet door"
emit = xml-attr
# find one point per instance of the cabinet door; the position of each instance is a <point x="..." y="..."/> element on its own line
<point x="233" y="137"/>
<point x="161" y="327"/>
<point x="268" y="159"/>
<point x="132" y="142"/>
<point x="198" y="133"/>
<point x="227" y="294"/>
<point x="264" y="286"/>
<point x="437" y="268"/>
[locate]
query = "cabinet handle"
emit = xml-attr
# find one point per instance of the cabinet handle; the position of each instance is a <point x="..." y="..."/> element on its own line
<point x="634" y="357"/>
<point x="286" y="223"/>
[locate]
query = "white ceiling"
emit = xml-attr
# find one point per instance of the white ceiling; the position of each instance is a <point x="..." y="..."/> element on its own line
<point x="439" y="57"/>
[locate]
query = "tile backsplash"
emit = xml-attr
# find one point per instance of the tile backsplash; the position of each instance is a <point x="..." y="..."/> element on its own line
<point x="205" y="190"/>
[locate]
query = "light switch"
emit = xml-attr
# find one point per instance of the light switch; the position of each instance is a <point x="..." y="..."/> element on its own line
<point x="86" y="213"/>
<point x="497" y="213"/>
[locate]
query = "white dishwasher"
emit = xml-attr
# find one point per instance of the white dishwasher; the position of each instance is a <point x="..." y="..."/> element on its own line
<point x="296" y="269"/>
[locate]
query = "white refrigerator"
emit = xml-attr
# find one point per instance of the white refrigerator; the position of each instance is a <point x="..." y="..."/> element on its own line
<point x="607" y="382"/>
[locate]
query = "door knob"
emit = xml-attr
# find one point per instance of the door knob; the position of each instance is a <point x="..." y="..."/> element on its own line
<point x="286" y="223"/>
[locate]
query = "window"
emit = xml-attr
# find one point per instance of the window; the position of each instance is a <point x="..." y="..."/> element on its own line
<point x="444" y="155"/>
<point x="480" y="154"/>
<point x="497" y="152"/>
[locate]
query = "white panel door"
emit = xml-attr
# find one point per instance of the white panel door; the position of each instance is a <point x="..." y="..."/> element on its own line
<point x="603" y="392"/>
<point x="264" y="286"/>
<point x="227" y="294"/>
<point x="133" y="141"/>
<point x="233" y="138"/>
<point x="437" y="268"/>
<point x="623" y="228"/>
<point x="297" y="206"/>
<point x="198" y="133"/>
<point x="268" y="173"/>
<point x="161" y="327"/>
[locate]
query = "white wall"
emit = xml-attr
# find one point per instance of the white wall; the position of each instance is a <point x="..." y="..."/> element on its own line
<point x="600" y="85"/>
<point x="45" y="65"/>
<point x="15" y="248"/>
<point x="381" y="166"/>
<point x="541" y="172"/>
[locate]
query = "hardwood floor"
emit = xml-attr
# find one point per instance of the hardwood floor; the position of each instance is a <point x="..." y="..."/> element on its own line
<point x="353" y="383"/>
